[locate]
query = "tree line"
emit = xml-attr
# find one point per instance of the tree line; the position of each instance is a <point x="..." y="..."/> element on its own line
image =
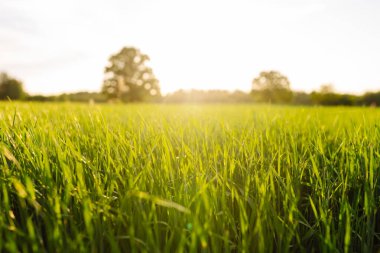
<point x="128" y="78"/>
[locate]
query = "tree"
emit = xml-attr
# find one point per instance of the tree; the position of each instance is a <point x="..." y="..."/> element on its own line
<point x="371" y="98"/>
<point x="127" y="78"/>
<point x="10" y="88"/>
<point x="271" y="87"/>
<point x="301" y="98"/>
<point x="327" y="96"/>
<point x="326" y="88"/>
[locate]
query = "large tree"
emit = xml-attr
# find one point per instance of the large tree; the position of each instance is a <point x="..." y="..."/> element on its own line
<point x="10" y="88"/>
<point x="128" y="78"/>
<point x="271" y="87"/>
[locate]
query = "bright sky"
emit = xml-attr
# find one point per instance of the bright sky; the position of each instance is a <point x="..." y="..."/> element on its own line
<point x="62" y="46"/>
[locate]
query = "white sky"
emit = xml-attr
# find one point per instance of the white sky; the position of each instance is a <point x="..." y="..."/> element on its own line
<point x="63" y="46"/>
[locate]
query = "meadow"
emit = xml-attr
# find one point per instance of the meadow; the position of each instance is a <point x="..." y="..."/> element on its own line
<point x="188" y="178"/>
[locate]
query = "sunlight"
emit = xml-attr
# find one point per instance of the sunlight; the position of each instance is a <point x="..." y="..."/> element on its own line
<point x="201" y="45"/>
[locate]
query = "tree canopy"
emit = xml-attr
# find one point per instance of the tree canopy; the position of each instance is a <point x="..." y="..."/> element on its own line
<point x="10" y="88"/>
<point x="128" y="78"/>
<point x="271" y="87"/>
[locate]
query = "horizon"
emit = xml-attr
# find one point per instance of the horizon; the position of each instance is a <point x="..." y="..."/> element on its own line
<point x="63" y="47"/>
<point x="196" y="90"/>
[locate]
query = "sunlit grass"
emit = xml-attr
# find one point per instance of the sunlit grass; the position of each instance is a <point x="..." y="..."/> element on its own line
<point x="158" y="178"/>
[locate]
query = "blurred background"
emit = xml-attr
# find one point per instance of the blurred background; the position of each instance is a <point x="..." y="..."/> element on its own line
<point x="323" y="52"/>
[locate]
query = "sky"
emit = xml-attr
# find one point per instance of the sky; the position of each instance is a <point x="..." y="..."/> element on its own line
<point x="63" y="46"/>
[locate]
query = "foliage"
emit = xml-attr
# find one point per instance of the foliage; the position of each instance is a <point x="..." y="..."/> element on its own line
<point x="128" y="78"/>
<point x="321" y="98"/>
<point x="83" y="97"/>
<point x="301" y="98"/>
<point x="222" y="96"/>
<point x="327" y="96"/>
<point x="188" y="178"/>
<point x="370" y="98"/>
<point x="271" y="87"/>
<point x="10" y="88"/>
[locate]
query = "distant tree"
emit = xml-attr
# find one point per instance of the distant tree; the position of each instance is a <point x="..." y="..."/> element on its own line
<point x="333" y="99"/>
<point x="370" y="98"/>
<point x="271" y="87"/>
<point x="10" y="88"/>
<point x="241" y="97"/>
<point x="127" y="77"/>
<point x="301" y="98"/>
<point x="327" y="96"/>
<point x="326" y="88"/>
<point x="40" y="98"/>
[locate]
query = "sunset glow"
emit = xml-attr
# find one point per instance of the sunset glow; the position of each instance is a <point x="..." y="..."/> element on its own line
<point x="63" y="46"/>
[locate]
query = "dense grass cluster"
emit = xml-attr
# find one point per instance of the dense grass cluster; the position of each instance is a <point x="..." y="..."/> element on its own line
<point x="147" y="178"/>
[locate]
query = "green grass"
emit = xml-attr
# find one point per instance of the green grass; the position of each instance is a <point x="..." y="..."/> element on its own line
<point x="210" y="178"/>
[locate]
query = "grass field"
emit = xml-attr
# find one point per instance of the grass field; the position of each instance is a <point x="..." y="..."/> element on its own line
<point x="169" y="178"/>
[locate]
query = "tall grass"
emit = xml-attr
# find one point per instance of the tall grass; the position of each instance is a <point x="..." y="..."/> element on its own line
<point x="146" y="178"/>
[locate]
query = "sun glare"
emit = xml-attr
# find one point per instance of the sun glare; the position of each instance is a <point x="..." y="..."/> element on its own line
<point x="193" y="45"/>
